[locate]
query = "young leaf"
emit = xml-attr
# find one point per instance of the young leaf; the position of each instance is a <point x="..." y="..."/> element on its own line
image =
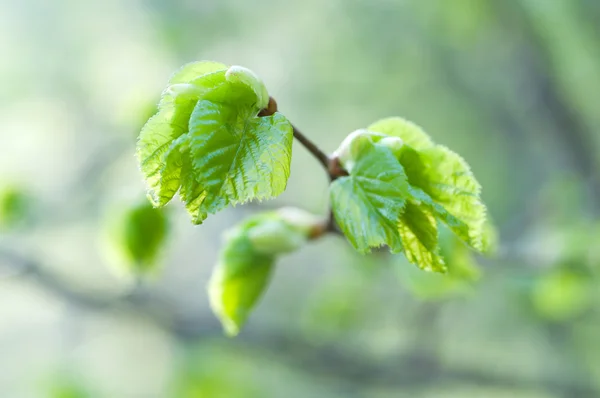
<point x="410" y="133"/>
<point x="368" y="203"/>
<point x="458" y="281"/>
<point x="162" y="142"/>
<point x="236" y="156"/>
<point x="238" y="281"/>
<point x="419" y="234"/>
<point x="446" y="178"/>
<point x="246" y="262"/>
<point x="189" y="72"/>
<point x="442" y="180"/>
<point x="208" y="144"/>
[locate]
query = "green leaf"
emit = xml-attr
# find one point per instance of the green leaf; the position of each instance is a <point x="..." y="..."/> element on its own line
<point x="162" y="140"/>
<point x="238" y="281"/>
<point x="246" y="262"/>
<point x="457" y="282"/>
<point x="191" y="71"/>
<point x="154" y="145"/>
<point x="419" y="234"/>
<point x="447" y="179"/>
<point x="139" y="236"/>
<point x="237" y="156"/>
<point x="208" y="144"/>
<point x="368" y="204"/>
<point x="246" y="76"/>
<point x="410" y="133"/>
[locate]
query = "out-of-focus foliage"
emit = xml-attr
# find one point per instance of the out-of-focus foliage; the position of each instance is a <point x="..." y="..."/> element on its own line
<point x="217" y="378"/>
<point x="562" y="294"/>
<point x="67" y="387"/>
<point x="15" y="207"/>
<point x="138" y="236"/>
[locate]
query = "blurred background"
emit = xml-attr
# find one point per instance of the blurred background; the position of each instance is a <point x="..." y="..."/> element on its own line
<point x="513" y="86"/>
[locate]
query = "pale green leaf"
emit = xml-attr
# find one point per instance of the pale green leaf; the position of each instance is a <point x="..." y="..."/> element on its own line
<point x="410" y="133"/>
<point x="153" y="145"/>
<point x="457" y="282"/>
<point x="160" y="144"/>
<point x="238" y="281"/>
<point x="419" y="234"/>
<point x="246" y="261"/>
<point x="443" y="181"/>
<point x="351" y="148"/>
<point x="368" y="203"/>
<point x="239" y="74"/>
<point x="191" y="71"/>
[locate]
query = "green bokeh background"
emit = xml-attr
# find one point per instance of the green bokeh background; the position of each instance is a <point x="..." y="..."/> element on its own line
<point x="512" y="85"/>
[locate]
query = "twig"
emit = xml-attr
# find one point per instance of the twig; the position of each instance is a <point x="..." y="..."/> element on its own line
<point x="330" y="163"/>
<point x="312" y="148"/>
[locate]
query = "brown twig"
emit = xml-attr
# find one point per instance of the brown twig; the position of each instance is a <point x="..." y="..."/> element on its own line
<point x="331" y="164"/>
<point x="321" y="157"/>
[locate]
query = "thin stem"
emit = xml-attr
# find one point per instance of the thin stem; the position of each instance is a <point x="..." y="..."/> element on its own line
<point x="331" y="165"/>
<point x="312" y="148"/>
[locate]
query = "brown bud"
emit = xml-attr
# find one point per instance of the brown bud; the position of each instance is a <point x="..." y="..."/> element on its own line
<point x="270" y="109"/>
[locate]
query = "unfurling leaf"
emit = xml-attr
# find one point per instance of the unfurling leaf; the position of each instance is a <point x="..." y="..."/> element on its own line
<point x="247" y="260"/>
<point x="138" y="236"/>
<point x="208" y="143"/>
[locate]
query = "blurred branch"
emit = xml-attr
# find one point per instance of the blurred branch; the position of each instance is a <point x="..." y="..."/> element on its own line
<point x="62" y="288"/>
<point x="48" y="281"/>
<point x="408" y="371"/>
